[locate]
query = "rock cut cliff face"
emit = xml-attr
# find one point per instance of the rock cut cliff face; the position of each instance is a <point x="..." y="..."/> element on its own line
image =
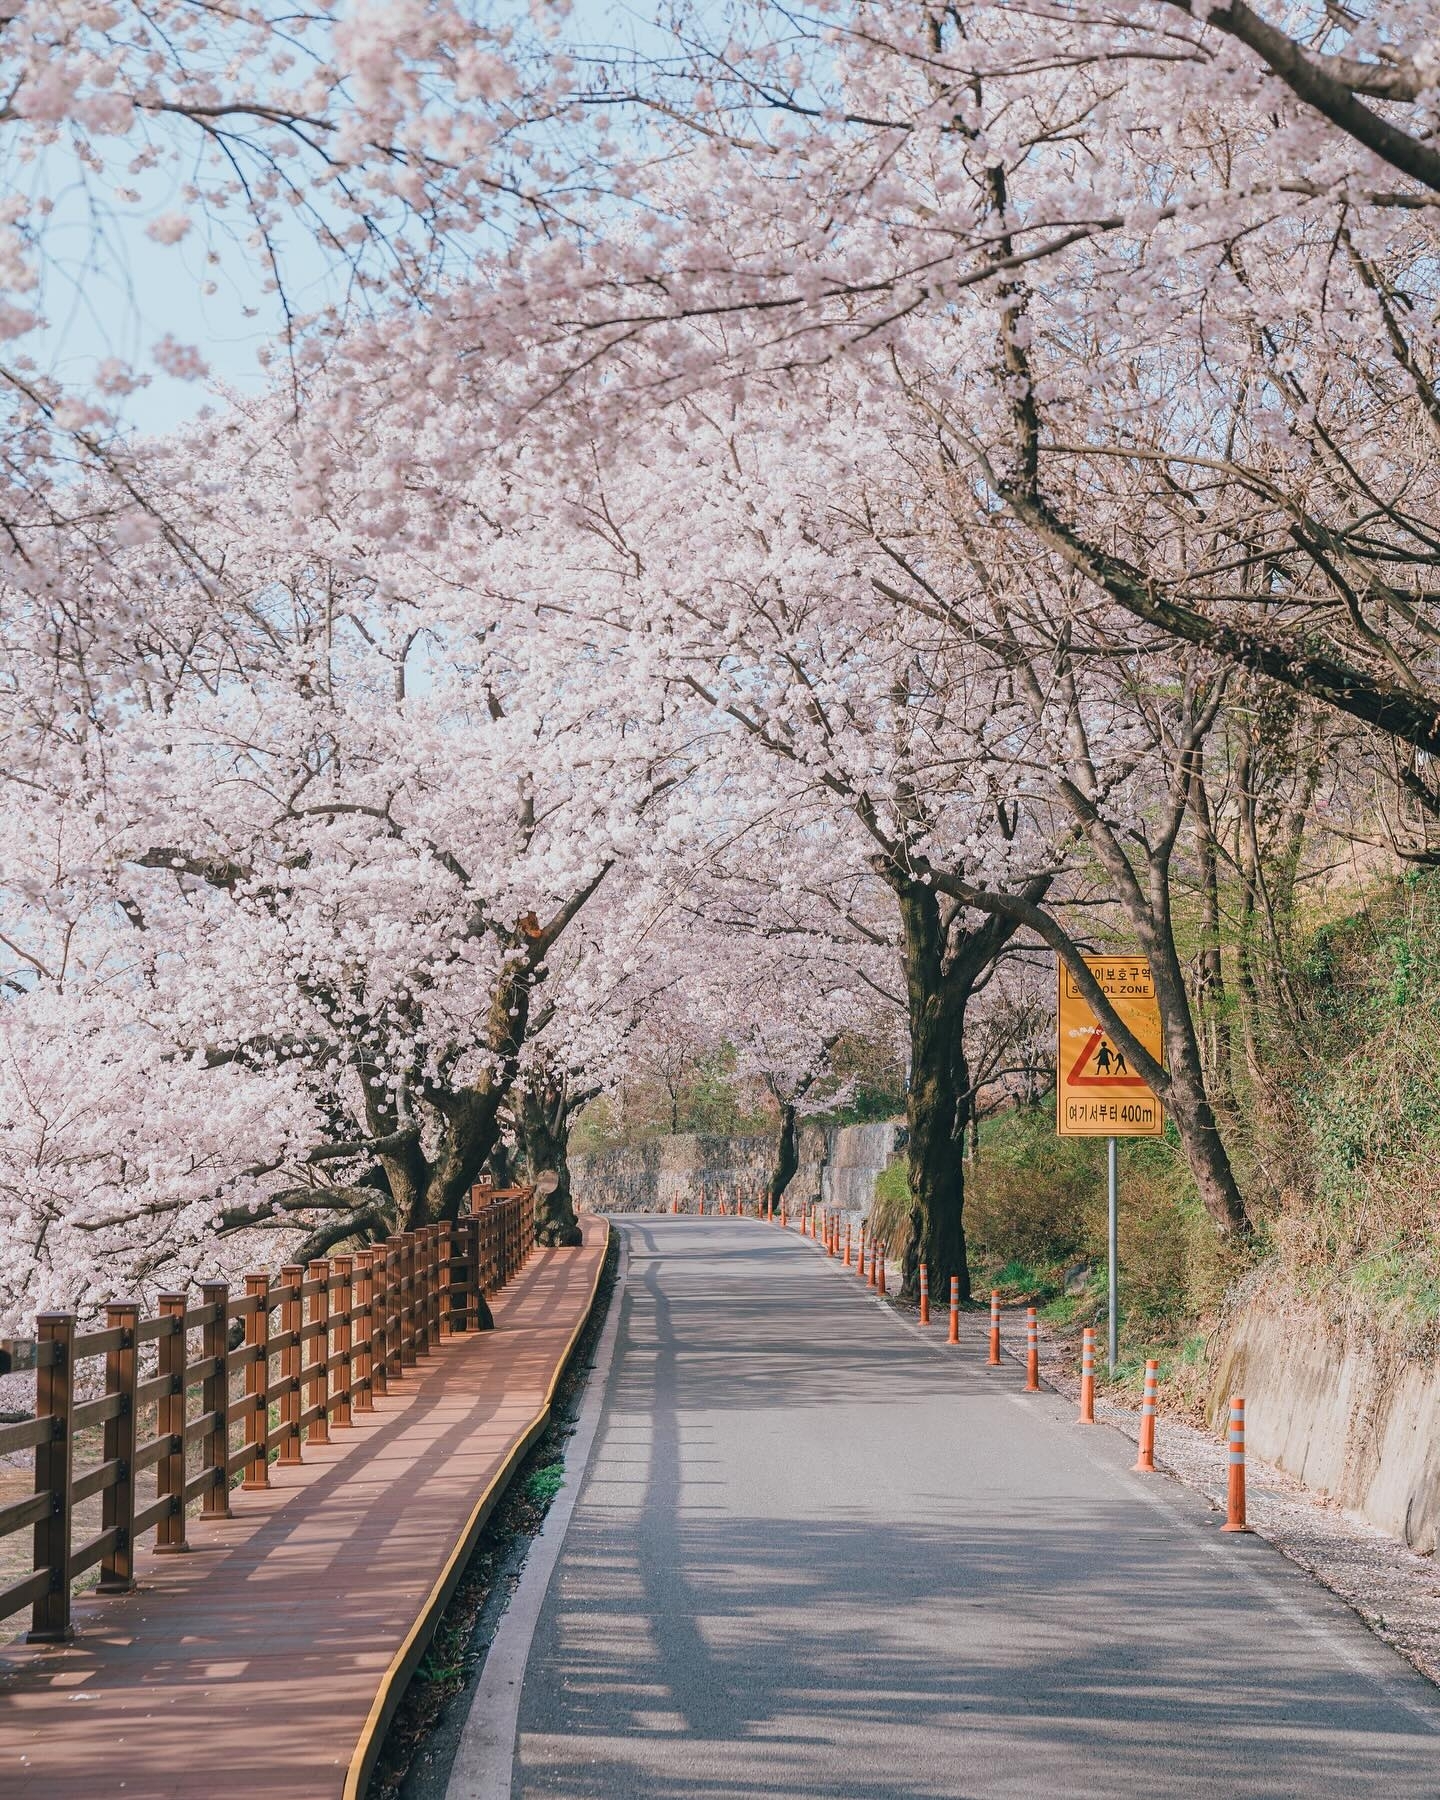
<point x="838" y="1166"/>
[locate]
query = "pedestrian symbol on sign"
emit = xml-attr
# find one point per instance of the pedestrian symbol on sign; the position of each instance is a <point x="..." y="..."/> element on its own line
<point x="1100" y="1065"/>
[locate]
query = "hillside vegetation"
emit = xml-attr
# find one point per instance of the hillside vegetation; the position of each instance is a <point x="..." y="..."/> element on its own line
<point x="1338" y="1133"/>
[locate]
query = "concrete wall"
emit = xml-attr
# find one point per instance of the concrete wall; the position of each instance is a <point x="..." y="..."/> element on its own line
<point x="839" y="1166"/>
<point x="647" y="1176"/>
<point x="1348" y="1414"/>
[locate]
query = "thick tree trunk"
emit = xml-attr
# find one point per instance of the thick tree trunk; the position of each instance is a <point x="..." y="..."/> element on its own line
<point x="1187" y="1096"/>
<point x="936" y="1100"/>
<point x="545" y="1131"/>
<point x="787" y="1155"/>
<point x="556" y="1225"/>
<point x="1210" y="985"/>
<point x="936" y="1116"/>
<point x="943" y="962"/>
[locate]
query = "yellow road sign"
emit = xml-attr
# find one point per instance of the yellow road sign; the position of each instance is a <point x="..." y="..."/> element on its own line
<point x="1097" y="1094"/>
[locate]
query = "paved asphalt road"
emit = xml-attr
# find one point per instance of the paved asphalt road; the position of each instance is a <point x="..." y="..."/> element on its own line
<point x="814" y="1556"/>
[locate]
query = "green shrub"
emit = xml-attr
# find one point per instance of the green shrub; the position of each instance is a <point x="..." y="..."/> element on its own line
<point x="544" y="1484"/>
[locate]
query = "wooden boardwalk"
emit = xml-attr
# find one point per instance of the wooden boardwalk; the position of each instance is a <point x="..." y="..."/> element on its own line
<point x="267" y="1660"/>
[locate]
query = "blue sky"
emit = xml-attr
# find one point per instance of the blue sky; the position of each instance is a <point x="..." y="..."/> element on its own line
<point x="109" y="290"/>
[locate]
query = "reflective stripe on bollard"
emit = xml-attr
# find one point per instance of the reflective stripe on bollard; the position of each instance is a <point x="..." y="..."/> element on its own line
<point x="1087" y="1377"/>
<point x="1235" y="1497"/>
<point x="1145" y="1461"/>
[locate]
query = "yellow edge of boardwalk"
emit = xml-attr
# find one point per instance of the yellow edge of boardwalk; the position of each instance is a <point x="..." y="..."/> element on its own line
<point x="417" y="1639"/>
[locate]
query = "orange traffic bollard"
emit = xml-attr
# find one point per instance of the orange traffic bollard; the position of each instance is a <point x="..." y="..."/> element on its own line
<point x="846" y="1263"/>
<point x="924" y="1295"/>
<point x="1032" y="1352"/>
<point x="860" y="1255"/>
<point x="1087" y="1377"/>
<point x="832" y="1237"/>
<point x="1235" y="1508"/>
<point x="994" y="1325"/>
<point x="874" y="1259"/>
<point x="954" y="1309"/>
<point x="880" y="1271"/>
<point x="1145" y="1462"/>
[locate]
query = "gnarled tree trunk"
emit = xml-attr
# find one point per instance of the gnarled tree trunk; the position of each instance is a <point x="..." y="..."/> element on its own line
<point x="544" y="1120"/>
<point x="787" y="1156"/>
<point x="944" y="961"/>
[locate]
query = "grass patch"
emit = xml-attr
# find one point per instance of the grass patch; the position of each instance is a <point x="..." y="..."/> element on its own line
<point x="1036" y="1220"/>
<point x="544" y="1484"/>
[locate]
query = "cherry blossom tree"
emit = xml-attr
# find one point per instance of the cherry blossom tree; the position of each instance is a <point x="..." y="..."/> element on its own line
<point x="307" y="852"/>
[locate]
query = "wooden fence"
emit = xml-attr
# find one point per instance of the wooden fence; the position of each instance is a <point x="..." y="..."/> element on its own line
<point x="349" y="1328"/>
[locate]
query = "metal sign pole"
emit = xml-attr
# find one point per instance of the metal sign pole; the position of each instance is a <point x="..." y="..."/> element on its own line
<point x="1114" y="1258"/>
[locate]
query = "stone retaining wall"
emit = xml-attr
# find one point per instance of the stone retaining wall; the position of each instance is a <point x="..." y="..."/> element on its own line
<point x="839" y="1166"/>
<point x="1352" y="1417"/>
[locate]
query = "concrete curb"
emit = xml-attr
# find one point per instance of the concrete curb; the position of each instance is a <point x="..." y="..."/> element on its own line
<point x="485" y="1756"/>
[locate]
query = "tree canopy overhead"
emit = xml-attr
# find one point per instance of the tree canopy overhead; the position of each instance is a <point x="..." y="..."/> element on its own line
<point x="772" y="534"/>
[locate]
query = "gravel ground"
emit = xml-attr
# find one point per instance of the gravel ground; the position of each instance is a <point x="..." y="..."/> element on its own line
<point x="1395" y="1592"/>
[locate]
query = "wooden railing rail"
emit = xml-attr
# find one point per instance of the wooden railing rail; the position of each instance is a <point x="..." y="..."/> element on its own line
<point x="317" y="1346"/>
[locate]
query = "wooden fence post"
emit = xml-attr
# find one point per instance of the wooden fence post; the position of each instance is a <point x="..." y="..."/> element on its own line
<point x="470" y="1245"/>
<point x="344" y="1361"/>
<point x="447" y="1295"/>
<point x="439" y="1282"/>
<point x="318" y="1348"/>
<point x="170" y="1470"/>
<point x="408" y="1299"/>
<point x="257" y="1382"/>
<point x="363" y="1359"/>
<point x="484" y="1319"/>
<point x="420" y="1251"/>
<point x="54" y="1399"/>
<point x="215" y="1399"/>
<point x="422" y="1239"/>
<point x="117" y="1508"/>
<point x="379" y="1319"/>
<point x="395" y="1305"/>
<point x="292" y="1310"/>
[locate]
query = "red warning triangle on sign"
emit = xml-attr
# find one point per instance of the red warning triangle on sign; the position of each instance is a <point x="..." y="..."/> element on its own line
<point x="1092" y="1044"/>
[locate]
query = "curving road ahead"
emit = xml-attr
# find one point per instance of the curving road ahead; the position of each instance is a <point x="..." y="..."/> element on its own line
<point x="816" y="1556"/>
